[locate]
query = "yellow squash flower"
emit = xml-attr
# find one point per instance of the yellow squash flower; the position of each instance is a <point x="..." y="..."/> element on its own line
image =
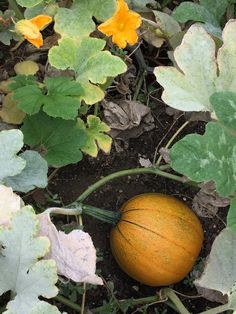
<point x="30" y="29"/>
<point x="122" y="25"/>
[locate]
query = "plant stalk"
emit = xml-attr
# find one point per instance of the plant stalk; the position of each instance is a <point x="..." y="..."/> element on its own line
<point x="217" y="310"/>
<point x="176" y="300"/>
<point x="123" y="173"/>
<point x="14" y="6"/>
<point x="68" y="303"/>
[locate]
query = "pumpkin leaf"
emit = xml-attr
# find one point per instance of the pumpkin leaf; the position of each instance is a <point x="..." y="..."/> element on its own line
<point x="11" y="141"/>
<point x="61" y="98"/>
<point x="60" y="141"/>
<point x="28" y="3"/>
<point x="189" y="11"/>
<point x="221" y="262"/>
<point x="140" y="5"/>
<point x="33" y="175"/>
<point x="9" y="203"/>
<point x="90" y="63"/>
<point x="95" y="136"/>
<point x="77" y="22"/>
<point x="224" y="105"/>
<point x="199" y="71"/>
<point x="208" y="157"/>
<point x="231" y="217"/>
<point x="166" y="23"/>
<point x="9" y="111"/>
<point x="21" y="270"/>
<point x="26" y="67"/>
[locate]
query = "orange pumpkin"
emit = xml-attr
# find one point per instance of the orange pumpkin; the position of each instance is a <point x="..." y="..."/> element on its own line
<point x="157" y="239"/>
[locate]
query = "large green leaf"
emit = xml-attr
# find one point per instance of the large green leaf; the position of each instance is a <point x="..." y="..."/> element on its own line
<point x="11" y="142"/>
<point x="59" y="98"/>
<point x="224" y="105"/>
<point x="216" y="7"/>
<point x="33" y="175"/>
<point x="201" y="74"/>
<point x="21" y="270"/>
<point x="77" y="22"/>
<point x="208" y="157"/>
<point x="220" y="271"/>
<point x="189" y="11"/>
<point x="95" y="136"/>
<point x="59" y="141"/>
<point x="90" y="63"/>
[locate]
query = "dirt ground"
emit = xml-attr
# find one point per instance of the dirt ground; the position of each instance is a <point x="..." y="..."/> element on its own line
<point x="72" y="180"/>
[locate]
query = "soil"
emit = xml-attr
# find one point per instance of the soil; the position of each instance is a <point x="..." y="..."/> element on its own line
<point x="70" y="181"/>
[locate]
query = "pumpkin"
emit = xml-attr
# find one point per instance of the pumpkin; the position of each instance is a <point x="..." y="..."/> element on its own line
<point x="157" y="239"/>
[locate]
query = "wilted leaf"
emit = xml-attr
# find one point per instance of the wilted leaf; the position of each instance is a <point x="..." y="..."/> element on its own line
<point x="91" y="64"/>
<point x="21" y="270"/>
<point x="77" y="22"/>
<point x="9" y="111"/>
<point x="11" y="142"/>
<point x="73" y="253"/>
<point x="60" y="141"/>
<point x="127" y="119"/>
<point x="207" y="202"/>
<point x="166" y="24"/>
<point x="33" y="175"/>
<point x="220" y="271"/>
<point x="190" y="89"/>
<point x="9" y="203"/>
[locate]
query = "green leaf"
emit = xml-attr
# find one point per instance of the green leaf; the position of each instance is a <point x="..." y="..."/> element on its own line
<point x="29" y="98"/>
<point x="33" y="175"/>
<point x="189" y="11"/>
<point x="11" y="142"/>
<point x="200" y="74"/>
<point x="22" y="271"/>
<point x="166" y="23"/>
<point x="95" y="136"/>
<point x="19" y="81"/>
<point x="77" y="22"/>
<point x="224" y="105"/>
<point x="216" y="8"/>
<point x="28" y="3"/>
<point x="59" y="141"/>
<point x="220" y="271"/>
<point x="208" y="157"/>
<point x="63" y="97"/>
<point x="90" y="63"/>
<point x="231" y="217"/>
<point x="60" y="98"/>
<point x="140" y="5"/>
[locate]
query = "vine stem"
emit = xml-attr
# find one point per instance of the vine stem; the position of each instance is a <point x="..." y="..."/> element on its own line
<point x="14" y="6"/>
<point x="176" y="300"/>
<point x="217" y="310"/>
<point x="68" y="303"/>
<point x="172" y="139"/>
<point x="122" y="173"/>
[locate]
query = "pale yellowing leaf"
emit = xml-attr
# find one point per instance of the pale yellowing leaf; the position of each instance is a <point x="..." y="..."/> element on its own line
<point x="9" y="111"/>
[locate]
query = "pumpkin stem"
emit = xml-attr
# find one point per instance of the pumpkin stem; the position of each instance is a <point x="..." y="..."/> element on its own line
<point x="169" y="293"/>
<point x="104" y="215"/>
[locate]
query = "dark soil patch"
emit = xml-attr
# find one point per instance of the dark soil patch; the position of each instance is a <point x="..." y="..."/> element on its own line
<point x="72" y="180"/>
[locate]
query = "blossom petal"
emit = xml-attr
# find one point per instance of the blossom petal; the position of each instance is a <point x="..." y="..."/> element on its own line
<point x="37" y="42"/>
<point x="41" y="21"/>
<point x="26" y="28"/>
<point x="122" y="25"/>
